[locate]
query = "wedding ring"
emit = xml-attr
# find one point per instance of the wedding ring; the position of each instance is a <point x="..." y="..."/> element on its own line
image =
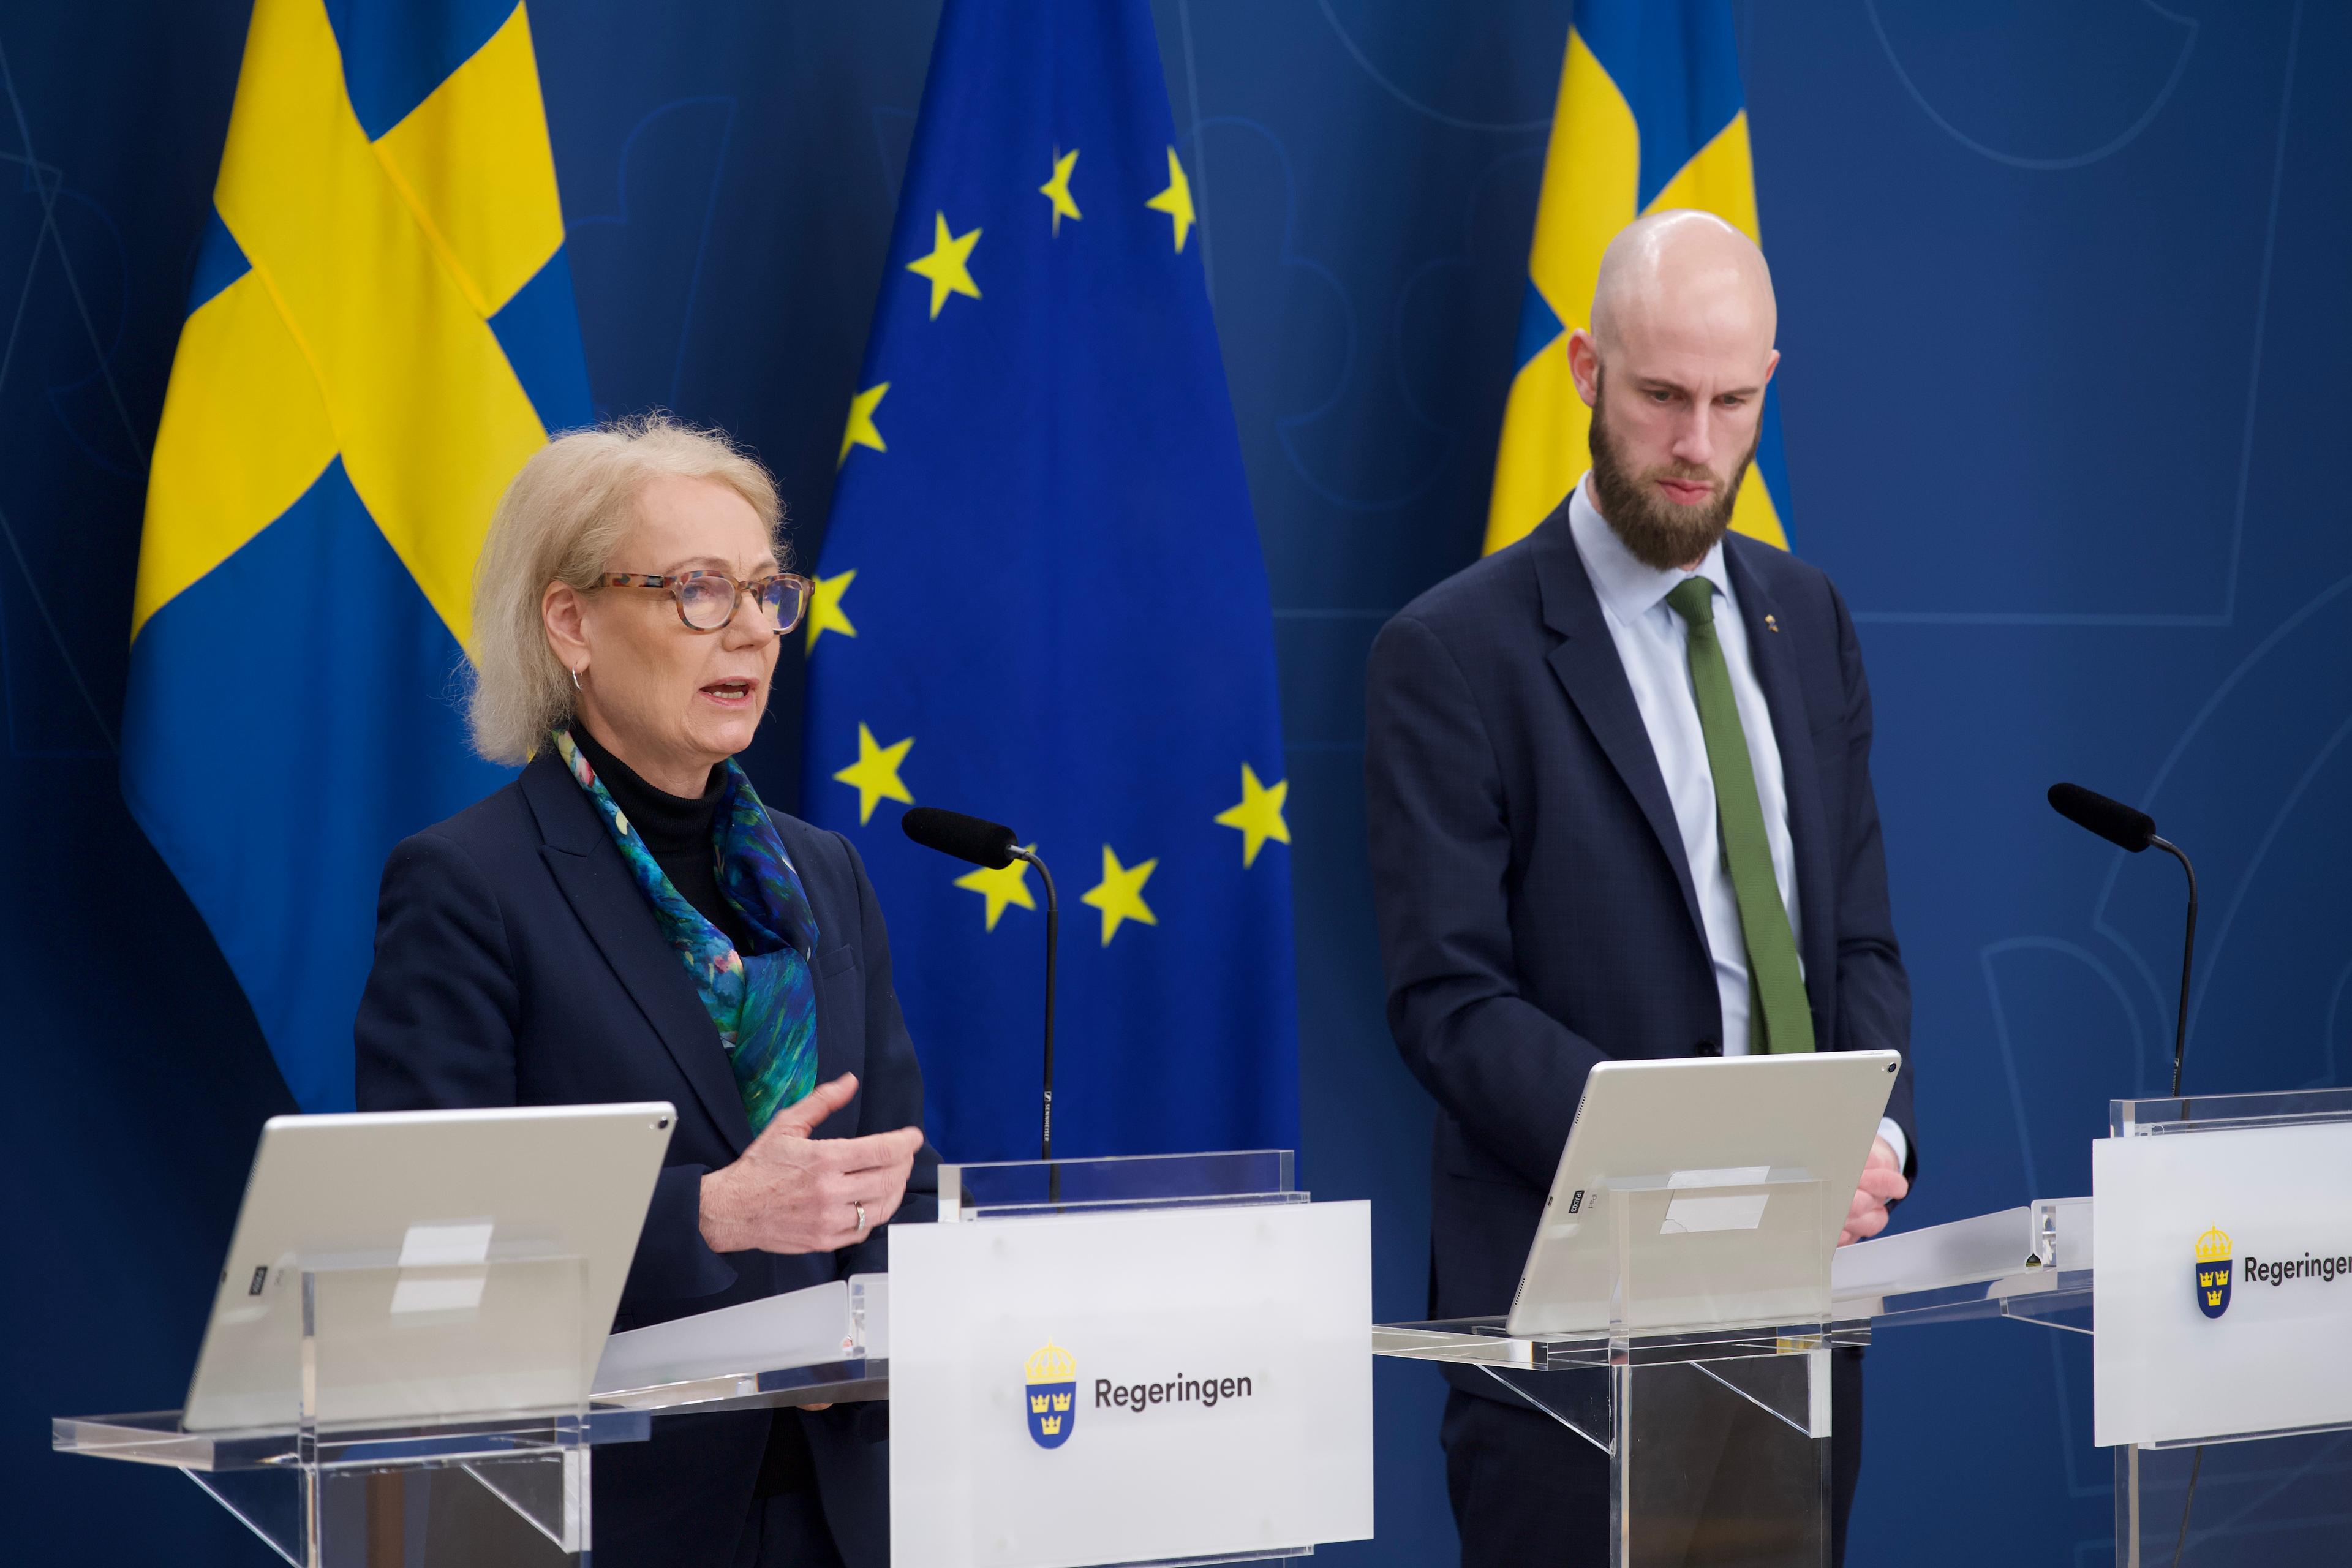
<point x="861" y="1218"/>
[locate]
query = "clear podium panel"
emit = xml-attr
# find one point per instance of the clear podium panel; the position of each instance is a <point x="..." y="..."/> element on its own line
<point x="2033" y="1263"/>
<point x="397" y="1411"/>
<point x="1700" y="1249"/>
<point x="822" y="1345"/>
<point x="1726" y="1463"/>
<point x="444" y="1342"/>
<point x="491" y="1490"/>
<point x="1718" y="1444"/>
<point x="521" y="1511"/>
<point x="2277" y="1503"/>
<point x="1680" y="1251"/>
<point x="1708" y="1388"/>
<point x="386" y="1338"/>
<point x="1011" y="1189"/>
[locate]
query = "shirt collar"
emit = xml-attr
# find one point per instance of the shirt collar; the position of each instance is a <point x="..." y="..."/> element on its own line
<point x="1628" y="588"/>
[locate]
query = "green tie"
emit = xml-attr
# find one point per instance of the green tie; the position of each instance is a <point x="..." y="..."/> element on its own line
<point x="1776" y="988"/>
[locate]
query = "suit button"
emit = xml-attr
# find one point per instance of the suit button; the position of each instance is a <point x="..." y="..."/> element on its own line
<point x="1706" y="1048"/>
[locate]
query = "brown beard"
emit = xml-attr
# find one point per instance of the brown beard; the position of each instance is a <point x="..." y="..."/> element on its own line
<point x="1660" y="534"/>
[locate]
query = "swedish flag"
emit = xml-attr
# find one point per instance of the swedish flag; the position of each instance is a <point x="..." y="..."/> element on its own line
<point x="1650" y="118"/>
<point x="379" y="333"/>
<point x="1041" y="599"/>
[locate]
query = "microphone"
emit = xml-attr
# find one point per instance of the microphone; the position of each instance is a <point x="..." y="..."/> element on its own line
<point x="971" y="838"/>
<point x="992" y="844"/>
<point x="2112" y="820"/>
<point x="2128" y="828"/>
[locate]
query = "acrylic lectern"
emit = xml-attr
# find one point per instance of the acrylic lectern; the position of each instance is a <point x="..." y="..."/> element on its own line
<point x="481" y="1476"/>
<point x="2211" y="1269"/>
<point x="1709" y="1386"/>
<point x="1085" y="1353"/>
<point x="2203" y="1268"/>
<point x="2221" y="1316"/>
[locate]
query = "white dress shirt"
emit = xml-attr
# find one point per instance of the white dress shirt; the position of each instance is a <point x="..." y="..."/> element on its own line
<point x="1652" y="644"/>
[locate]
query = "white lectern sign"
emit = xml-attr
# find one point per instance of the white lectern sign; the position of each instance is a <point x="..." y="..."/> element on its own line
<point x="2222" y="1306"/>
<point x="1130" y="1386"/>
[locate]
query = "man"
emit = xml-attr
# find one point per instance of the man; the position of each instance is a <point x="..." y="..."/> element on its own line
<point x="1620" y="804"/>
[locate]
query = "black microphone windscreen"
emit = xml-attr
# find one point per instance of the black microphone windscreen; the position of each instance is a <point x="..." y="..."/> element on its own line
<point x="972" y="838"/>
<point x="2112" y="820"/>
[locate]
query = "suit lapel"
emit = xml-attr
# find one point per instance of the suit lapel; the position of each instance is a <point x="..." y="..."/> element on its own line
<point x="1587" y="664"/>
<point x="595" y="880"/>
<point x="1772" y="652"/>
<point x="839" y="1049"/>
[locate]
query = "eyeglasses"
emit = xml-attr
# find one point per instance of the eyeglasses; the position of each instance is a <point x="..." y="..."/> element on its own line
<point x="707" y="601"/>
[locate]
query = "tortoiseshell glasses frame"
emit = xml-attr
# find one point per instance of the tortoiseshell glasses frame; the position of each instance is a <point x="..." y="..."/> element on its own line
<point x="782" y="598"/>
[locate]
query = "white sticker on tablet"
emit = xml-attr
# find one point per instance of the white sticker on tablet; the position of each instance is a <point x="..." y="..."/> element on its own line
<point x="438" y="1246"/>
<point x="1740" y="1210"/>
<point x="1730" y="1176"/>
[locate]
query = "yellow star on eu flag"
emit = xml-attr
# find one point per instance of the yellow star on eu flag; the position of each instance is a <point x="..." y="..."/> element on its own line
<point x="949" y="266"/>
<point x="1119" y="895"/>
<point x="1009" y="886"/>
<point x="860" y="431"/>
<point x="874" y="775"/>
<point x="1176" y="200"/>
<point x="1057" y="190"/>
<point x="825" y="607"/>
<point x="1258" y="816"/>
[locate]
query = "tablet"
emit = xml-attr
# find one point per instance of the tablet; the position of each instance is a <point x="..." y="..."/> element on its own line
<point x="462" y="1262"/>
<point x="1698" y="1166"/>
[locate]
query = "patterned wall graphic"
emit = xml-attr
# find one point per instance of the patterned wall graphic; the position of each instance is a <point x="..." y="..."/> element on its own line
<point x="2063" y="319"/>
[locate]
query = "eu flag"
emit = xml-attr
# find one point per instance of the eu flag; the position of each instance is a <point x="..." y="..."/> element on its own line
<point x="1041" y="600"/>
<point x="379" y="333"/>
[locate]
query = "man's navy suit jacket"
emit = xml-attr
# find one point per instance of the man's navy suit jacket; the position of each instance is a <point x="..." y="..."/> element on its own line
<point x="1536" y="911"/>
<point x="517" y="963"/>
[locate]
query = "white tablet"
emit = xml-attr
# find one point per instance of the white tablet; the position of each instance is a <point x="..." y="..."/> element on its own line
<point x="464" y="1262"/>
<point x="1697" y="1167"/>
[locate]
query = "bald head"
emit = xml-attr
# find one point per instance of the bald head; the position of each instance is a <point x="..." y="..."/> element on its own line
<point x="1674" y="368"/>
<point x="1686" y="268"/>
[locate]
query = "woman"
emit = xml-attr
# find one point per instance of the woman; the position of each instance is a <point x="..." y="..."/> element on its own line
<point x="626" y="921"/>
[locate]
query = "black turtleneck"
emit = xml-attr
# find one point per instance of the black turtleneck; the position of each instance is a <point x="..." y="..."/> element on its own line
<point x="677" y="828"/>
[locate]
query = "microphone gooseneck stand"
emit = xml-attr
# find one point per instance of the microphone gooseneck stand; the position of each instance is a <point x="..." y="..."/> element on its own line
<point x="1053" y="943"/>
<point x="2180" y="1043"/>
<point x="980" y="842"/>
<point x="2187" y="950"/>
<point x="2132" y="830"/>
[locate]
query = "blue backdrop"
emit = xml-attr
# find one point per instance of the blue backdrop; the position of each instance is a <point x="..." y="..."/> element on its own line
<point x="2064" y="313"/>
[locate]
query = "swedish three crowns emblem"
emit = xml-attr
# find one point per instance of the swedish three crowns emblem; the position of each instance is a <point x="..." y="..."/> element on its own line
<point x="1053" y="1393"/>
<point x="2213" y="1270"/>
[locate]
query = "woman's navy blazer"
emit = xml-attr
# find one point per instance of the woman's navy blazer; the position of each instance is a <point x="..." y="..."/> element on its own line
<point x="518" y="963"/>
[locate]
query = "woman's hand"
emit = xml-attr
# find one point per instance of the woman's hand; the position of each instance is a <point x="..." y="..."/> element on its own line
<point x="794" y="1193"/>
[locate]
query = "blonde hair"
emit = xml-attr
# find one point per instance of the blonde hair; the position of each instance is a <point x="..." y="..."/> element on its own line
<point x="559" y="521"/>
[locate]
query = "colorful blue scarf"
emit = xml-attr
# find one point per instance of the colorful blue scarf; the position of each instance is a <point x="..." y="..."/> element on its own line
<point x="764" y="1002"/>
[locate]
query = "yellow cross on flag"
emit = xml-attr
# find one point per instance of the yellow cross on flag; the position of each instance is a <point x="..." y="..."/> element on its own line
<point x="379" y="333"/>
<point x="1649" y="117"/>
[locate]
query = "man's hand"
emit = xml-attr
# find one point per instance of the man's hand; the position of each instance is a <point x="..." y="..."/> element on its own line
<point x="1882" y="1183"/>
<point x="791" y="1192"/>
